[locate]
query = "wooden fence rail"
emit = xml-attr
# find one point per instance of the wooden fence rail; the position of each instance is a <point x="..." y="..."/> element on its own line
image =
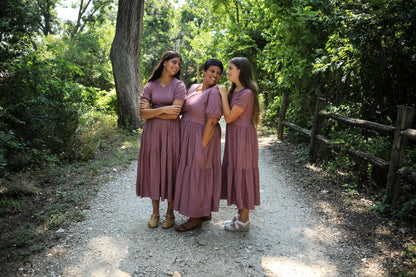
<point x="401" y="134"/>
<point x="359" y="122"/>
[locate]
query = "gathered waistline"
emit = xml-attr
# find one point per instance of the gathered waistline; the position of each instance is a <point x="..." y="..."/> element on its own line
<point x="240" y="124"/>
<point x="193" y="121"/>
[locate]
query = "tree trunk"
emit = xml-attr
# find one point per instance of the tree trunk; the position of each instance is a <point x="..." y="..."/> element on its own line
<point x="125" y="58"/>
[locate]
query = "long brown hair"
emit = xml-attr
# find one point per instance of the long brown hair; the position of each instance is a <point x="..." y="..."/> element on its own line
<point x="247" y="80"/>
<point x="157" y="72"/>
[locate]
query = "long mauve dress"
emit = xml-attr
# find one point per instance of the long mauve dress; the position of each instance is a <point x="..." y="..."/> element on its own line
<point x="240" y="171"/>
<point x="198" y="181"/>
<point x="159" y="148"/>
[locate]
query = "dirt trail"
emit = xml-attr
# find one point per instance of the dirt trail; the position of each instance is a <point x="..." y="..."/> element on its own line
<point x="287" y="238"/>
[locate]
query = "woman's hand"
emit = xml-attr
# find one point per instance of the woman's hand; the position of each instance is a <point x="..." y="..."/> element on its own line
<point x="173" y="109"/>
<point x="144" y="104"/>
<point x="222" y="89"/>
<point x="167" y="112"/>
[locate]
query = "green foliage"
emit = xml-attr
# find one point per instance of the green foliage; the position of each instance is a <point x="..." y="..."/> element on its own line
<point x="368" y="59"/>
<point x="91" y="15"/>
<point x="18" y="24"/>
<point x="39" y="112"/>
<point x="41" y="105"/>
<point x="9" y="206"/>
<point x="271" y="115"/>
<point x="107" y="102"/>
<point x="95" y="128"/>
<point x="406" y="206"/>
<point x="404" y="209"/>
<point x="296" y="29"/>
<point x="88" y="53"/>
<point x="199" y="37"/>
<point x="411" y="253"/>
<point x="302" y="153"/>
<point x="407" y="209"/>
<point x="158" y="35"/>
<point x="351" y="188"/>
<point x="62" y="209"/>
<point x="22" y="239"/>
<point x="24" y="242"/>
<point x="381" y="206"/>
<point x="299" y="112"/>
<point x="364" y="175"/>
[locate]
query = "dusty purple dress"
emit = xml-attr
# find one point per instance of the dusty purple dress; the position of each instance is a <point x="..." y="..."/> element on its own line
<point x="198" y="181"/>
<point x="159" y="148"/>
<point x="240" y="171"/>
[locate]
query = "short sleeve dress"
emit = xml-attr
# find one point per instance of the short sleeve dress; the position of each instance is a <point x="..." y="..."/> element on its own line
<point x="159" y="147"/>
<point x="240" y="172"/>
<point x="198" y="181"/>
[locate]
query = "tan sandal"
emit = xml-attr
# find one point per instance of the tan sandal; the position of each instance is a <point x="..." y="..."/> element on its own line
<point x="153" y="221"/>
<point x="168" y="222"/>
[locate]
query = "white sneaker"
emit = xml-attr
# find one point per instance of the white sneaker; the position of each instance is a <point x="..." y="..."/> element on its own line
<point x="235" y="218"/>
<point x="238" y="226"/>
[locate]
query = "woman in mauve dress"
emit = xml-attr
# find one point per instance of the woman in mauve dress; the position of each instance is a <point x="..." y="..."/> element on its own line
<point x="160" y="105"/>
<point x="198" y="181"/>
<point x="240" y="172"/>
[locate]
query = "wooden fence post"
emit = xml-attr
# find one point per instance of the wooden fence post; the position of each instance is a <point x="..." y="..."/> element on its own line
<point x="313" y="146"/>
<point x="282" y="114"/>
<point x="404" y="121"/>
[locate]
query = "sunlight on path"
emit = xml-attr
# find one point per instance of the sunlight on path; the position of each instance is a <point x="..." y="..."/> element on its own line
<point x="279" y="266"/>
<point x="105" y="261"/>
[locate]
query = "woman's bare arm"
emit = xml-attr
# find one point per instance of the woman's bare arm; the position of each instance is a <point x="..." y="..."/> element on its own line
<point x="229" y="114"/>
<point x="208" y="130"/>
<point x="173" y="115"/>
<point x="147" y="112"/>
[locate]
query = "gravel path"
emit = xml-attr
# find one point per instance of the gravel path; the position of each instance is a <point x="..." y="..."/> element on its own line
<point x="287" y="238"/>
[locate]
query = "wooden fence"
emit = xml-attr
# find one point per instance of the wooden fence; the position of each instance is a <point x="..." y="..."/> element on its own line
<point x="401" y="134"/>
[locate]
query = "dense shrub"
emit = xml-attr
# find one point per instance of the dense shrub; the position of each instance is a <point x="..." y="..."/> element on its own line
<point x="39" y="112"/>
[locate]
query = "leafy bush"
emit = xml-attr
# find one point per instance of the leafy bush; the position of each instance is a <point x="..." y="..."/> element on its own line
<point x="39" y="112"/>
<point x="108" y="102"/>
<point x="406" y="206"/>
<point x="299" y="112"/>
<point x="271" y="115"/>
<point x="95" y="127"/>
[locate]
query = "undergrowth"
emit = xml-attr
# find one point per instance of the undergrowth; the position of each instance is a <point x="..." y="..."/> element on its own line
<point x="359" y="175"/>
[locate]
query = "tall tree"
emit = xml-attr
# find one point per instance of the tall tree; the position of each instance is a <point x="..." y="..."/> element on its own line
<point x="125" y="58"/>
<point x="46" y="10"/>
<point x="90" y="12"/>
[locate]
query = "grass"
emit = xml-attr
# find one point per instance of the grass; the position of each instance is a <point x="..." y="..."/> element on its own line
<point x="8" y="206"/>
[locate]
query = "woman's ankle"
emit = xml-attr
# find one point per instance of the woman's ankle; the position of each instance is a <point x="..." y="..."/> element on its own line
<point x="244" y="215"/>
